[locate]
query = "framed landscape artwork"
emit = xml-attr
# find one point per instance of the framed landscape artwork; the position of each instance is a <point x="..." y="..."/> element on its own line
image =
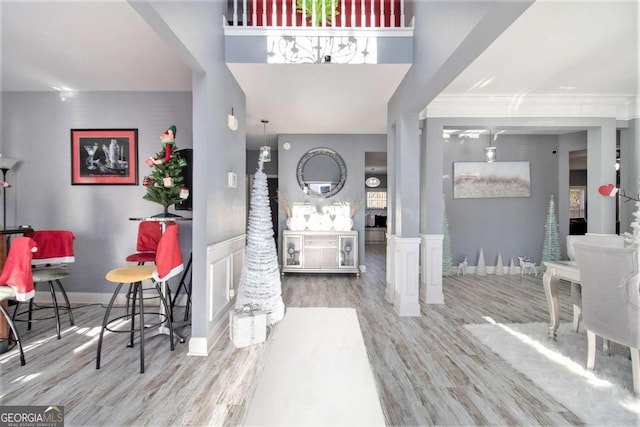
<point x="476" y="180"/>
<point x="104" y="156"/>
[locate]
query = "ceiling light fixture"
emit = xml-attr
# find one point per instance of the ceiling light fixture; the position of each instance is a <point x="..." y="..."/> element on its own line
<point x="265" y="150"/>
<point x="232" y="121"/>
<point x="490" y="151"/>
<point x="372" y="181"/>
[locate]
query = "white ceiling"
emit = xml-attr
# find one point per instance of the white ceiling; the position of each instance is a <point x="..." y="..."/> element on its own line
<point x="352" y="99"/>
<point x="589" y="46"/>
<point x="560" y="47"/>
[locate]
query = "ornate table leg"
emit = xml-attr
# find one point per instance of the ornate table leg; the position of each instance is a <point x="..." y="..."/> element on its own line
<point x="550" y="284"/>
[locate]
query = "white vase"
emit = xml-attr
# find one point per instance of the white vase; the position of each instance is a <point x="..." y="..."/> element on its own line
<point x="341" y="223"/>
<point x="297" y="223"/>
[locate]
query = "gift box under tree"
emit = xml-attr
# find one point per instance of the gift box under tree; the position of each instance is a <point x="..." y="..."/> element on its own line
<point x="247" y="327"/>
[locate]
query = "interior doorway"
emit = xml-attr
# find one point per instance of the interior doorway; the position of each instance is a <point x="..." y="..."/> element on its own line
<point x="375" y="205"/>
<point x="578" y="192"/>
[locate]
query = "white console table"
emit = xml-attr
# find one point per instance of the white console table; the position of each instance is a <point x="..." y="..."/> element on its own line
<point x="320" y="252"/>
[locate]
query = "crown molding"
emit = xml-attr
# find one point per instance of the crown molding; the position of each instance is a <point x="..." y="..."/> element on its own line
<point x="622" y="107"/>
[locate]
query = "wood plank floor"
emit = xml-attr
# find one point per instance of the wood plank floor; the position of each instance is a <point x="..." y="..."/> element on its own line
<point x="429" y="370"/>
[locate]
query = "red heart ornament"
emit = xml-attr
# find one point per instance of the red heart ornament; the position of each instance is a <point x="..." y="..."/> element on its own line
<point x="606" y="190"/>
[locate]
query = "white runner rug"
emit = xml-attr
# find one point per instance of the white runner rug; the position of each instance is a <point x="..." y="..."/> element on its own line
<point x="316" y="373"/>
<point x="603" y="397"/>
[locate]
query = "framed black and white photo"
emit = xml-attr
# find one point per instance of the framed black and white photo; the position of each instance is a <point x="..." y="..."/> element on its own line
<point x="104" y="156"/>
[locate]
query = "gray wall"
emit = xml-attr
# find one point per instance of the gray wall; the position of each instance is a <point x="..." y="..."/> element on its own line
<point x="451" y="35"/>
<point x="36" y="130"/>
<point x="509" y="226"/>
<point x="351" y="148"/>
<point x="188" y="27"/>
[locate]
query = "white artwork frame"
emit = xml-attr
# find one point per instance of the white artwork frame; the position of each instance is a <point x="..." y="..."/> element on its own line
<point x="481" y="180"/>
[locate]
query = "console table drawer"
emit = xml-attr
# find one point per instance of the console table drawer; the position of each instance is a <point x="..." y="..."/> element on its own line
<point x="315" y="242"/>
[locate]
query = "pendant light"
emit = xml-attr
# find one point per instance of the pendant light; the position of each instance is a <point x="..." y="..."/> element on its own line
<point x="490" y="151"/>
<point x="265" y="150"/>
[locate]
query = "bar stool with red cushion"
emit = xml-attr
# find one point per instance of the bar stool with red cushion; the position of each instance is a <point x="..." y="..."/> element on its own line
<point x="149" y="233"/>
<point x="168" y="264"/>
<point x="49" y="265"/>
<point x="16" y="282"/>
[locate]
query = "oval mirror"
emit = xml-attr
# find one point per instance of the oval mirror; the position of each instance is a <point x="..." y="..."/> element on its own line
<point x="321" y="173"/>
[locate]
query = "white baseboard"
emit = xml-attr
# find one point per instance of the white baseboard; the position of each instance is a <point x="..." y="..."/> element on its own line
<point x="490" y="270"/>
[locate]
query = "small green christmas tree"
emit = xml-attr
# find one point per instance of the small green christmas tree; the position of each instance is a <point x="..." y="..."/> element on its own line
<point x="164" y="183"/>
<point x="446" y="243"/>
<point x="551" y="247"/>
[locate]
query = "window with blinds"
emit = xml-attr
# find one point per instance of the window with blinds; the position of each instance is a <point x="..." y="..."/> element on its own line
<point x="376" y="199"/>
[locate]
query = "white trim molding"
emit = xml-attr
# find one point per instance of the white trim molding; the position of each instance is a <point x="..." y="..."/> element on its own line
<point x="622" y="107"/>
<point x="406" y="301"/>
<point x="223" y="266"/>
<point x="390" y="289"/>
<point x="431" y="269"/>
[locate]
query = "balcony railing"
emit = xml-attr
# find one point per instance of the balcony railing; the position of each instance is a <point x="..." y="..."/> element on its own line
<point x="340" y="14"/>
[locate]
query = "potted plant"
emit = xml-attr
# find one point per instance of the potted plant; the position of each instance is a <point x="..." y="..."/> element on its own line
<point x="308" y="7"/>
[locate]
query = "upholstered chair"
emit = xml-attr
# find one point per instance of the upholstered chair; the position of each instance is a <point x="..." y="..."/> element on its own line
<point x="611" y="300"/>
<point x="607" y="240"/>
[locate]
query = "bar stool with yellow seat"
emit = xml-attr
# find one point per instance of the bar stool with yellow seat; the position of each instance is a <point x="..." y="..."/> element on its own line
<point x="16" y="283"/>
<point x="168" y="264"/>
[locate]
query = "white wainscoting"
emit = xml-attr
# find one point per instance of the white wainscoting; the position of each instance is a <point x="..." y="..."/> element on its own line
<point x="431" y="269"/>
<point x="224" y="265"/>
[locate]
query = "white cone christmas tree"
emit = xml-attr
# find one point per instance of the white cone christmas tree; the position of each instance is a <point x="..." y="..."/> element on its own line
<point x="551" y="248"/>
<point x="499" y="267"/>
<point x="481" y="268"/>
<point x="260" y="286"/>
<point x="632" y="239"/>
<point x="512" y="268"/>
<point x="446" y="243"/>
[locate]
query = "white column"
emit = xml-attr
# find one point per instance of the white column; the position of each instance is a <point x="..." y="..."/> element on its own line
<point x="407" y="260"/>
<point x="390" y="291"/>
<point x="431" y="269"/>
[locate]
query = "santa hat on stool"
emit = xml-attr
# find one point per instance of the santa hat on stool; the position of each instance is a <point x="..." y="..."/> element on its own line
<point x="16" y="272"/>
<point x="168" y="255"/>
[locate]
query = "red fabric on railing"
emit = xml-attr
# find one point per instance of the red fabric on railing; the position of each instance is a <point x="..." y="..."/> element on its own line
<point x="355" y="5"/>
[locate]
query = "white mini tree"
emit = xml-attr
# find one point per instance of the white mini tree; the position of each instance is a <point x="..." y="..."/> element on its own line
<point x="260" y="285"/>
<point x="499" y="267"/>
<point x="481" y="268"/>
<point x="551" y="247"/>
